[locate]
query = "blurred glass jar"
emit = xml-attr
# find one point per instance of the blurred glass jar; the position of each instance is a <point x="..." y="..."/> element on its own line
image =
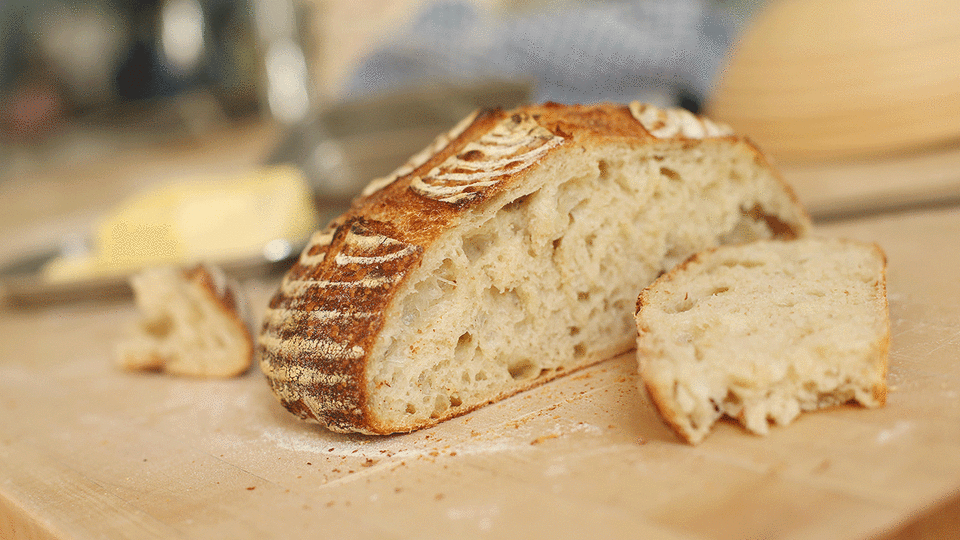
<point x="248" y="54"/>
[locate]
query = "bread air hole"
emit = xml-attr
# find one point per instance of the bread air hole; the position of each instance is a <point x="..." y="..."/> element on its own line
<point x="447" y="273"/>
<point x="474" y="247"/>
<point x="667" y="172"/>
<point x="684" y="305"/>
<point x="733" y="263"/>
<point x="440" y="405"/>
<point x="589" y="240"/>
<point x="159" y="327"/>
<point x="522" y="369"/>
<point x="556" y="255"/>
<point x="517" y="204"/>
<point x="465" y="345"/>
<point x="604" y="167"/>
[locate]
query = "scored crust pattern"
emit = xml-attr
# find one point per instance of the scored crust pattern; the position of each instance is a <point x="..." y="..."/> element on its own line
<point x="676" y="122"/>
<point x="513" y="145"/>
<point x="325" y="313"/>
<point x="420" y="157"/>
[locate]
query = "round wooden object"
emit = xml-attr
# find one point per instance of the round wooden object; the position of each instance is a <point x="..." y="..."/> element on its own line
<point x="814" y="79"/>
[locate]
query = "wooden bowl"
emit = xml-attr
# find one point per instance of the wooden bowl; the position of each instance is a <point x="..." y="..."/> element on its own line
<point x="816" y="79"/>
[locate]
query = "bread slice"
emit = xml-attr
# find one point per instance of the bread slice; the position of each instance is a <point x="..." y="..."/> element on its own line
<point x="509" y="252"/>
<point x="193" y="322"/>
<point x="762" y="331"/>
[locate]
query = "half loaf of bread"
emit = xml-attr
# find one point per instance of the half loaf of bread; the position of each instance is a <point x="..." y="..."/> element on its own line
<point x="507" y="253"/>
<point x="760" y="332"/>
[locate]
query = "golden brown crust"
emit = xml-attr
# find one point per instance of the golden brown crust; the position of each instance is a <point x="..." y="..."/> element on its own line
<point x="223" y="294"/>
<point x="880" y="391"/>
<point x="665" y="408"/>
<point x="321" y="324"/>
<point x="217" y="287"/>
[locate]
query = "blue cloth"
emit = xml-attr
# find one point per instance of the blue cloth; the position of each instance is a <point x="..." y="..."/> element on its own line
<point x="582" y="53"/>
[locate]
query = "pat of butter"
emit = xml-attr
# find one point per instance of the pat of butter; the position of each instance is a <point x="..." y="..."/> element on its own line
<point x="203" y="219"/>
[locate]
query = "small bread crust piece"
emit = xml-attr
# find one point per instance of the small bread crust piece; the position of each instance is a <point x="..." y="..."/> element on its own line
<point x="432" y="295"/>
<point x="763" y="331"/>
<point x="193" y="323"/>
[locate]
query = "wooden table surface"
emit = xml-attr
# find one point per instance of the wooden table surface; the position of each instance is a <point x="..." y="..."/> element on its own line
<point x="87" y="451"/>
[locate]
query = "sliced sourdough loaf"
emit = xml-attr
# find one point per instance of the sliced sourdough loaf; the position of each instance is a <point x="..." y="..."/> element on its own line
<point x="507" y="253"/>
<point x="762" y="331"/>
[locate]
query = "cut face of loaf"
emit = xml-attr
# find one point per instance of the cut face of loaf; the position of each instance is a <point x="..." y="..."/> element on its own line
<point x="763" y="331"/>
<point x="509" y="252"/>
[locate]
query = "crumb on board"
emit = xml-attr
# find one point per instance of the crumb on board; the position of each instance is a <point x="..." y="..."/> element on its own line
<point x="543" y="438"/>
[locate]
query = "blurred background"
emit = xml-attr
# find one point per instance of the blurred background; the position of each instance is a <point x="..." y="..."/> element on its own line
<point x="80" y="77"/>
<point x="102" y="101"/>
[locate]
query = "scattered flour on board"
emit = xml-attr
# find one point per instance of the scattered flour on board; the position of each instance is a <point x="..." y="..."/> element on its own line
<point x="415" y="444"/>
<point x="898" y="429"/>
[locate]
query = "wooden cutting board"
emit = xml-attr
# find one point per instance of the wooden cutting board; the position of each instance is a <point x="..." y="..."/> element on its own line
<point x="87" y="451"/>
<point x="837" y="190"/>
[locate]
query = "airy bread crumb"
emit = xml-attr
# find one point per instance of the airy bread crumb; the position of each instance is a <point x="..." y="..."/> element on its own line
<point x="192" y="323"/>
<point x="762" y="331"/>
